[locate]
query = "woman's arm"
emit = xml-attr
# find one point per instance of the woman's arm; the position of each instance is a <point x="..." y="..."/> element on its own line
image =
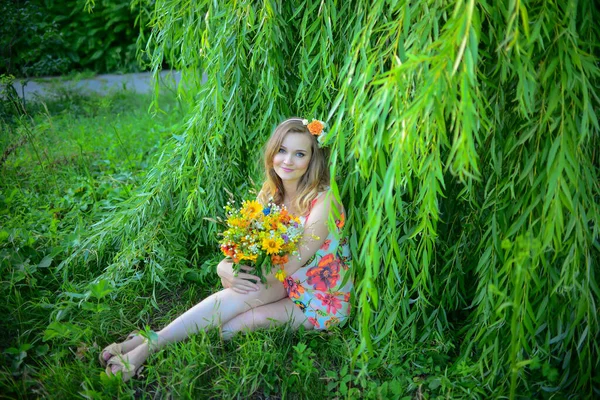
<point x="316" y="230"/>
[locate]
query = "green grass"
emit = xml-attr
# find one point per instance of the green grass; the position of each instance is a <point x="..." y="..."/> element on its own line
<point x="67" y="164"/>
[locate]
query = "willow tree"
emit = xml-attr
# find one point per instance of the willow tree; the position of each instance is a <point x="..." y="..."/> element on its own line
<point x="465" y="145"/>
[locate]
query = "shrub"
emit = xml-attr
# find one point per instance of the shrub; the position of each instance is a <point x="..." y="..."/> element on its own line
<point x="59" y="36"/>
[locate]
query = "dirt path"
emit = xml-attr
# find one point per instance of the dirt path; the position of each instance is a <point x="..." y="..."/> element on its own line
<point x="101" y="84"/>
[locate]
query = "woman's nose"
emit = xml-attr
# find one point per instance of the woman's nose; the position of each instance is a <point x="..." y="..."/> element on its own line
<point x="288" y="159"/>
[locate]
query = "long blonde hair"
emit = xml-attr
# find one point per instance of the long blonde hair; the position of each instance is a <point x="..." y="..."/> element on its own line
<point x="314" y="180"/>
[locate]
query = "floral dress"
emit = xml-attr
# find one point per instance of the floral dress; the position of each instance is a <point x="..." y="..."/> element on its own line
<point x="321" y="288"/>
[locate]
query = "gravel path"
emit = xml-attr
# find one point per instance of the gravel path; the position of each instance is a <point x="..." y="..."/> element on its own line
<point x="102" y="84"/>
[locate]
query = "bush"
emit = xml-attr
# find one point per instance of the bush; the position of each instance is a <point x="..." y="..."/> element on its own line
<point x="58" y="36"/>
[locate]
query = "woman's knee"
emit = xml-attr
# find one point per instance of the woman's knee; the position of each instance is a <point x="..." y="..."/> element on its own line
<point x="261" y="318"/>
<point x="272" y="292"/>
<point x="228" y="299"/>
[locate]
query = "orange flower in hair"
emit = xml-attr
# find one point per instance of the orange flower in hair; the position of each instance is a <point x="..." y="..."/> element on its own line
<point x="315" y="127"/>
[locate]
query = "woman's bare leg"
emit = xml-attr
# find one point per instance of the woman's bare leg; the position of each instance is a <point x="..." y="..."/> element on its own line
<point x="274" y="314"/>
<point x="214" y="310"/>
<point x="217" y="309"/>
<point x="136" y="340"/>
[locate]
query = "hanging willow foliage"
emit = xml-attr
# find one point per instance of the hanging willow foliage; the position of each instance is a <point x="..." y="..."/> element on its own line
<point x="465" y="143"/>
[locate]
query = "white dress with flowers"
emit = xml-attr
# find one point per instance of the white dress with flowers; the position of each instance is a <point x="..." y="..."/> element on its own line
<point x="321" y="288"/>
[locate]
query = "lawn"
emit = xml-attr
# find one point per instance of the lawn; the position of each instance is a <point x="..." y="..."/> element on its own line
<point x="67" y="164"/>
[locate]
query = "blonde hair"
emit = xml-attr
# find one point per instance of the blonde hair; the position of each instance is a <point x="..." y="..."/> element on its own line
<point x="314" y="180"/>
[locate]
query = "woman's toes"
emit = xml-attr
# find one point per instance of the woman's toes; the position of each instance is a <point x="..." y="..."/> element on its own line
<point x="106" y="355"/>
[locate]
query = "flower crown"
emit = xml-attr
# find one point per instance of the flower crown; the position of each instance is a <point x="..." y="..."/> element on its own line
<point x="316" y="128"/>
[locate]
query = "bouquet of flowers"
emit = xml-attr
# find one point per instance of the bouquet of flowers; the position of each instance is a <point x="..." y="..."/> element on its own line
<point x="261" y="237"/>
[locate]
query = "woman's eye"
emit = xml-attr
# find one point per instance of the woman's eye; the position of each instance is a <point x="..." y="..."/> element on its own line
<point x="300" y="155"/>
<point x="281" y="150"/>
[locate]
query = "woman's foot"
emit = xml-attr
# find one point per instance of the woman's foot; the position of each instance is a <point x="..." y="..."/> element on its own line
<point x="115" y="349"/>
<point x="129" y="364"/>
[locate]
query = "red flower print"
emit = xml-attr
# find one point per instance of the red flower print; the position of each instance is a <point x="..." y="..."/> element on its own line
<point x="325" y="274"/>
<point x="331" y="302"/>
<point x="294" y="288"/>
<point x="314" y="322"/>
<point x="326" y="244"/>
<point x="347" y="297"/>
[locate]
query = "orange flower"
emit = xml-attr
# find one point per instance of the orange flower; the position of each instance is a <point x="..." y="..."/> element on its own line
<point x="228" y="250"/>
<point x="315" y="127"/>
<point x="278" y="260"/>
<point x="284" y="216"/>
<point x="341" y="222"/>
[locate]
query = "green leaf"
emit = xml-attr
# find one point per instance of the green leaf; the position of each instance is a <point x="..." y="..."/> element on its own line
<point x="100" y="289"/>
<point x="46" y="262"/>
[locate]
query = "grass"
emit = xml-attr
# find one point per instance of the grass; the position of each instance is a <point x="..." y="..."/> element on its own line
<point x="66" y="164"/>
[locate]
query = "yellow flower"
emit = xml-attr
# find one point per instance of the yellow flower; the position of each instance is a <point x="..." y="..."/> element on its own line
<point x="249" y="257"/>
<point x="252" y="208"/>
<point x="238" y="222"/>
<point x="280" y="275"/>
<point x="272" y="245"/>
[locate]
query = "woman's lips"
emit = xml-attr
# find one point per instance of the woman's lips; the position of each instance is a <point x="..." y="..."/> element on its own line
<point x="286" y="169"/>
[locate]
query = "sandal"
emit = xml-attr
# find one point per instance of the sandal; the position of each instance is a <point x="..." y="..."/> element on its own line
<point x="128" y="370"/>
<point x="115" y="349"/>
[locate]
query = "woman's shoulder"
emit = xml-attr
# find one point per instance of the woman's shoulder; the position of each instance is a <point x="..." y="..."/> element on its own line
<point x="327" y="202"/>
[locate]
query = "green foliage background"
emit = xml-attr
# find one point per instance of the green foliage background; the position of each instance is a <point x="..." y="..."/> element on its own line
<point x="54" y="37"/>
<point x="465" y="143"/>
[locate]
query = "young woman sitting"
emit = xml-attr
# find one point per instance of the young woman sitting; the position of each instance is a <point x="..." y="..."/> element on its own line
<point x="315" y="291"/>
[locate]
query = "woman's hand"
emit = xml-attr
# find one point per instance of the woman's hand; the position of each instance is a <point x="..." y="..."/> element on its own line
<point x="242" y="283"/>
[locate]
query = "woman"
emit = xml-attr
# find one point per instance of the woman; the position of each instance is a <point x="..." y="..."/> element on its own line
<point x="316" y="290"/>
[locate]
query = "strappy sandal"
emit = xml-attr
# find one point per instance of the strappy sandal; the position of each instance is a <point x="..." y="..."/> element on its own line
<point x="115" y="349"/>
<point x="128" y="370"/>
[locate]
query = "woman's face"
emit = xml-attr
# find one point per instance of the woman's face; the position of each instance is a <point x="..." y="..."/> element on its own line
<point x="292" y="159"/>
